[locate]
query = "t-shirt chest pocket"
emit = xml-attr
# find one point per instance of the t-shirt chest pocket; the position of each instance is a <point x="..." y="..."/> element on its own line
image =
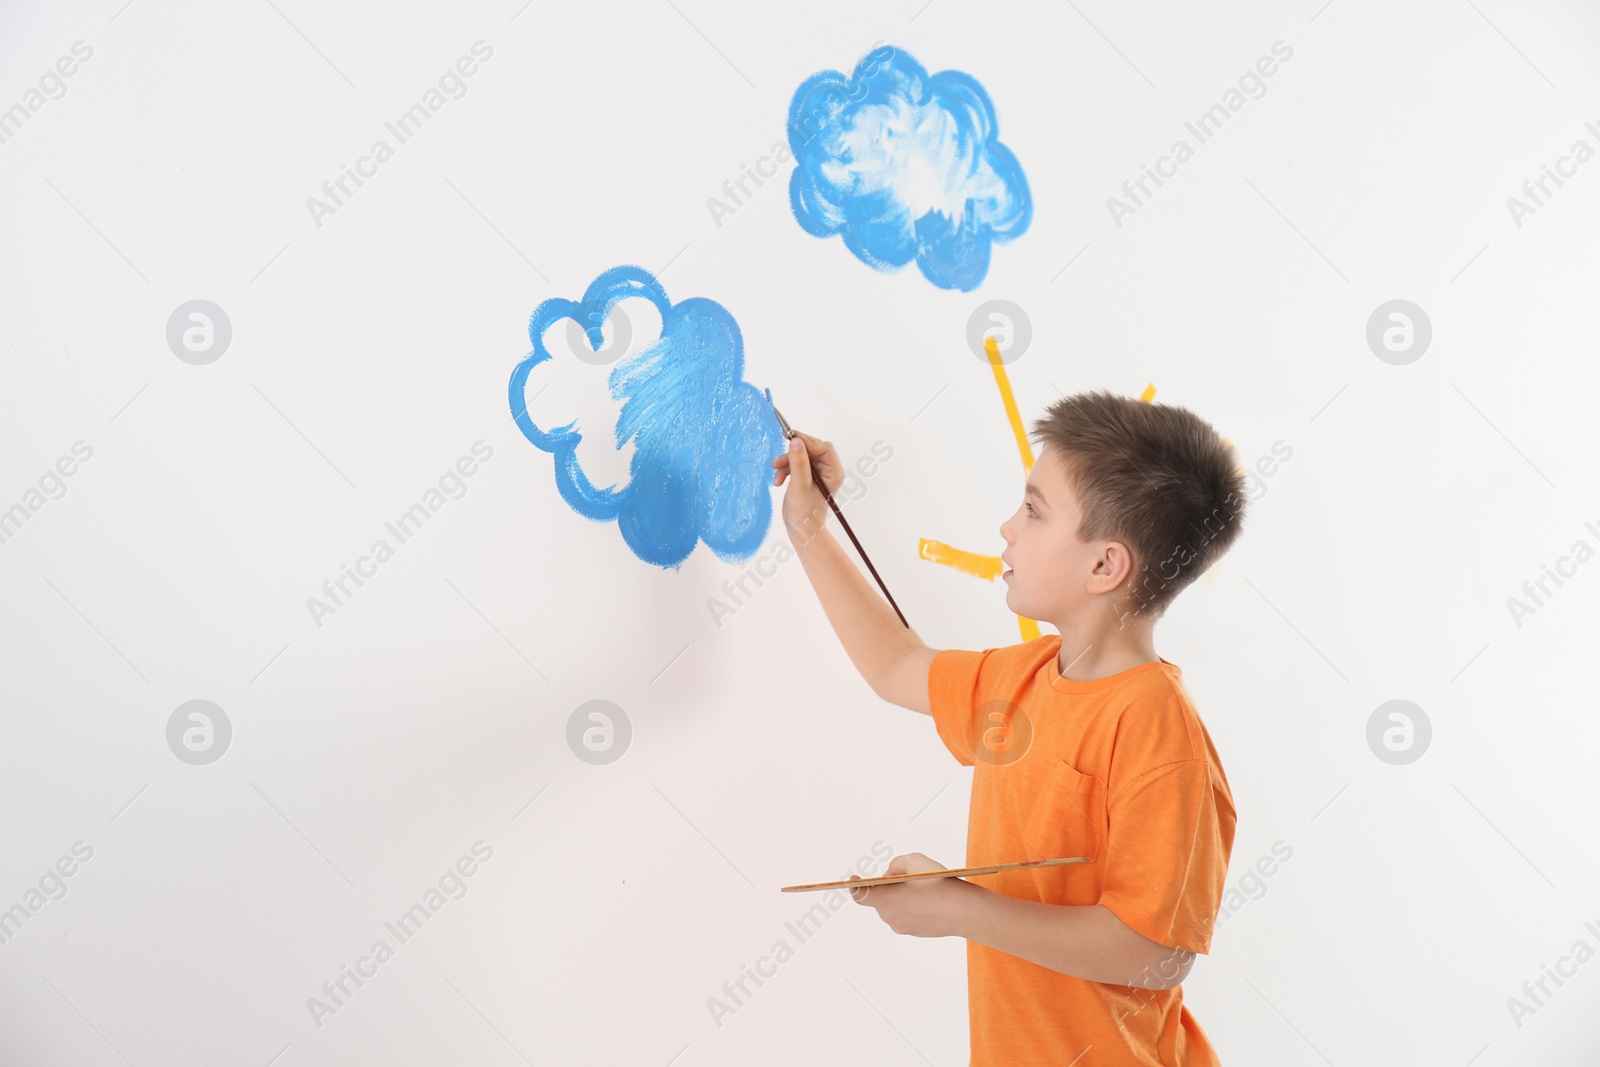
<point x="1068" y="815"/>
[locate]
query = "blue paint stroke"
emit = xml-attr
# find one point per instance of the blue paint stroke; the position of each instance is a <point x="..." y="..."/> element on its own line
<point x="704" y="438"/>
<point x="905" y="166"/>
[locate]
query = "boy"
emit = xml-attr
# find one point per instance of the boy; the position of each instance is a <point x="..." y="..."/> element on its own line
<point x="1084" y="743"/>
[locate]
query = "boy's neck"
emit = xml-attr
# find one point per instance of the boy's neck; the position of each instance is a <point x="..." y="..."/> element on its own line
<point x="1089" y="651"/>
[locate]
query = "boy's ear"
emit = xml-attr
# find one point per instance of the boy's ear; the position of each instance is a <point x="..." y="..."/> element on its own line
<point x="1114" y="565"/>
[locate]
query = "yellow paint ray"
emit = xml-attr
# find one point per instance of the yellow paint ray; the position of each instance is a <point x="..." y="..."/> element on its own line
<point x="992" y="347"/>
<point x="976" y="564"/>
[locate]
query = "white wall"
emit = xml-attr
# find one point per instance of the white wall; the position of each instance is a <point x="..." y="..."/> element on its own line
<point x="431" y="710"/>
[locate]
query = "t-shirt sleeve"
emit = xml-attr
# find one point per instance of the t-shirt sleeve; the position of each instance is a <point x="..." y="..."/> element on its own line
<point x="1171" y="831"/>
<point x="953" y="697"/>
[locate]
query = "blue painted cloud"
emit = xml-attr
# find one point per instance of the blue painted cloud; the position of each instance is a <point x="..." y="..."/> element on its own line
<point x="905" y="166"/>
<point x="703" y="437"/>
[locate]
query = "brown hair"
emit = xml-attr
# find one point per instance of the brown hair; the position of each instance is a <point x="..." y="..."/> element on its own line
<point x="1154" y="476"/>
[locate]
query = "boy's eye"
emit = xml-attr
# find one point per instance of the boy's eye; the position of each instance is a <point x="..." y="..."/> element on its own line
<point x="1030" y="508"/>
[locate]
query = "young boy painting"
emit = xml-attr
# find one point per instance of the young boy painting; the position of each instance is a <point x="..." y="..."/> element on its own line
<point x="1083" y="743"/>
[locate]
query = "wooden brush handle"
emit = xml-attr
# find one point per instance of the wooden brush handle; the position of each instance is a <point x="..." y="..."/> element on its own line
<point x="952" y="872"/>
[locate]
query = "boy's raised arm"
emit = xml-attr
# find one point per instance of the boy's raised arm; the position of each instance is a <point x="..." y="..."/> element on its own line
<point x="907" y="684"/>
<point x="891" y="657"/>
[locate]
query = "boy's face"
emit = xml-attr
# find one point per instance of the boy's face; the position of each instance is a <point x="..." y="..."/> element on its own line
<point x="1050" y="567"/>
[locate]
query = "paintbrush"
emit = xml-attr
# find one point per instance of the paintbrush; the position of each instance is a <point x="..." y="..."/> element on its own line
<point x="954" y="872"/>
<point x="790" y="433"/>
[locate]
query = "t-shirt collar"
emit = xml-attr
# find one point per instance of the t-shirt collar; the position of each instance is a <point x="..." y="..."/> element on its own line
<point x="1089" y="685"/>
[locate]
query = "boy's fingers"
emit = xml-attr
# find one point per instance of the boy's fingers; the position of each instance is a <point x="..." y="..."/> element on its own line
<point x="821" y="450"/>
<point x="799" y="467"/>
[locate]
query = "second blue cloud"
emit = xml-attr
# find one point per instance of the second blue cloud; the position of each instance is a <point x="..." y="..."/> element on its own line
<point x="905" y="166"/>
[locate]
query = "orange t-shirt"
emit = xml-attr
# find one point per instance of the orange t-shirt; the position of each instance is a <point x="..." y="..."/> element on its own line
<point x="1119" y="769"/>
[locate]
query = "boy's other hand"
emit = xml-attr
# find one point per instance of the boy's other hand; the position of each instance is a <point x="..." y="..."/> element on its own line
<point x="808" y="458"/>
<point x="930" y="907"/>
